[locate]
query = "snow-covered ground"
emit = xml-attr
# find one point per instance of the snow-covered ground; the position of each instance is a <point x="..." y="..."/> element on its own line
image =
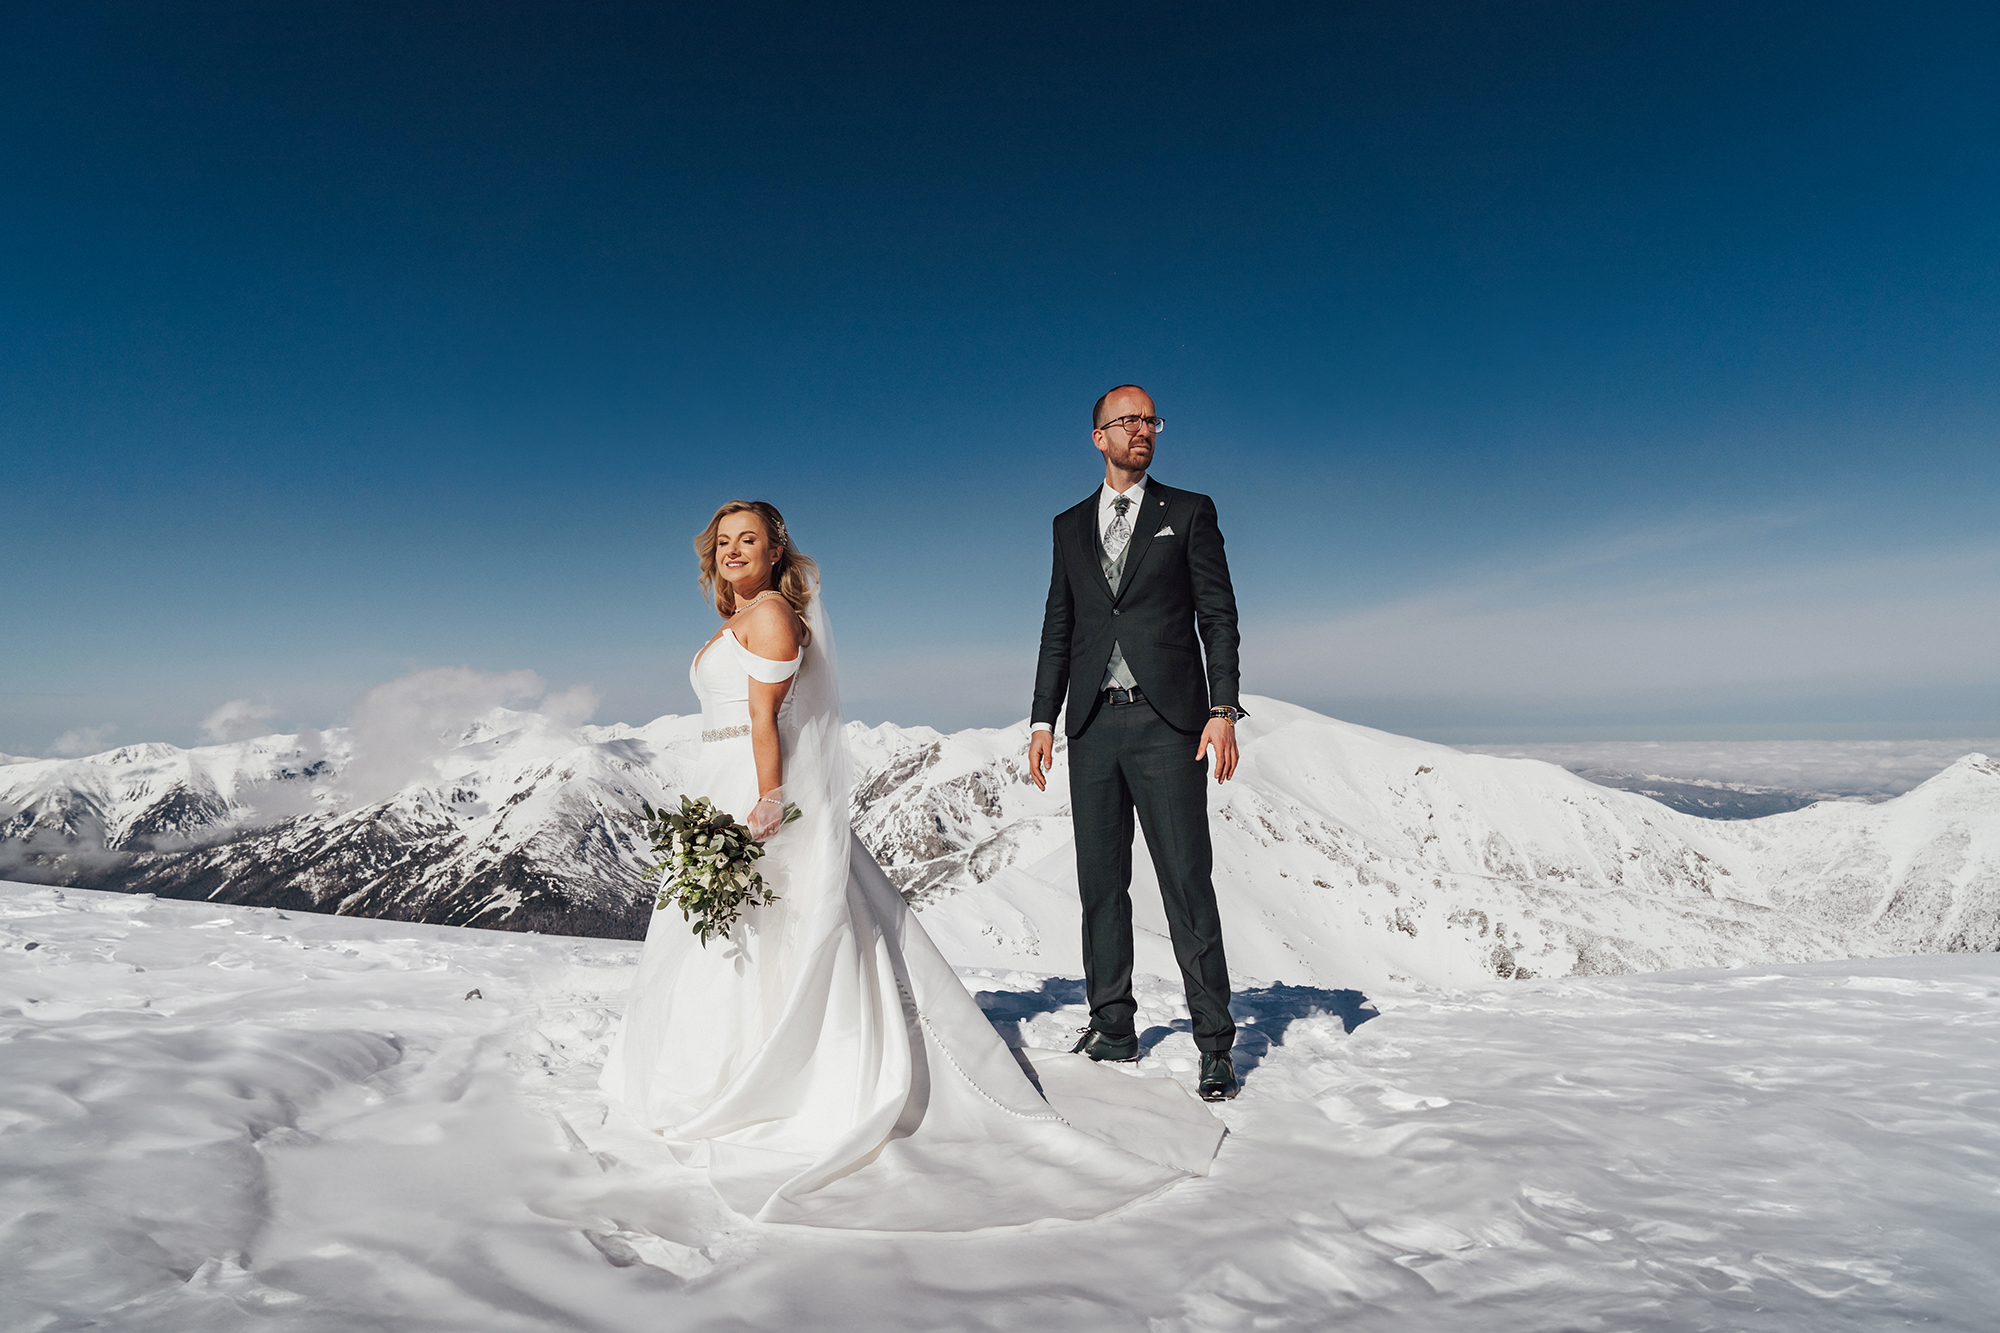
<point x="223" y="1118"/>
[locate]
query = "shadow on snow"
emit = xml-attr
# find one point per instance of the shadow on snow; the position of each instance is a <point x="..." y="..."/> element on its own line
<point x="1262" y="1014"/>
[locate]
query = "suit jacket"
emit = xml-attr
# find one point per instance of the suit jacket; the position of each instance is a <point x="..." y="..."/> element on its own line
<point x="1174" y="587"/>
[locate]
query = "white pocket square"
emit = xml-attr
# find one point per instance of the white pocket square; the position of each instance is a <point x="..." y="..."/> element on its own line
<point x="1167" y="531"/>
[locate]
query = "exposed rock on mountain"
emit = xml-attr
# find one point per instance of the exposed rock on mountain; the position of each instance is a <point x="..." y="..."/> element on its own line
<point x="520" y="827"/>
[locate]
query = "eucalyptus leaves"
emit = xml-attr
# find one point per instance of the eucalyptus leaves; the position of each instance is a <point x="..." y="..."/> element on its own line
<point x="709" y="864"/>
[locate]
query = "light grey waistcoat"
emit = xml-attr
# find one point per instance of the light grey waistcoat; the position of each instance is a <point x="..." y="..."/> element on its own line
<point x="1115" y="671"/>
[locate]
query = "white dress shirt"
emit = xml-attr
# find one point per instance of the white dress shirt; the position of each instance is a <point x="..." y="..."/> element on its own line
<point x="1106" y="511"/>
<point x="1106" y="506"/>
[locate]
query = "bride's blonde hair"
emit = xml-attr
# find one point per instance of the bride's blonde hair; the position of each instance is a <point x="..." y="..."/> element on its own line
<point x="797" y="576"/>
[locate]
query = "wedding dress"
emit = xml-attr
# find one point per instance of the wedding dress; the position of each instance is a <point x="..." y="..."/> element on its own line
<point x="825" y="1063"/>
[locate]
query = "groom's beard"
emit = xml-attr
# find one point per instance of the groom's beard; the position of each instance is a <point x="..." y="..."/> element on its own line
<point x="1133" y="459"/>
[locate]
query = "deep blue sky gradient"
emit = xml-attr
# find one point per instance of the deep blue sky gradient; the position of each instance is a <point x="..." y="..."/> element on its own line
<point x="338" y="341"/>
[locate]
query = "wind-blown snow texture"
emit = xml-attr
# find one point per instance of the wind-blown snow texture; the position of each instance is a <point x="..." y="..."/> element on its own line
<point x="1344" y="855"/>
<point x="221" y="1119"/>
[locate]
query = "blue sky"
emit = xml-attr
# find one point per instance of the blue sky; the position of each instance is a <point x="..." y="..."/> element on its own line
<point x="1559" y="370"/>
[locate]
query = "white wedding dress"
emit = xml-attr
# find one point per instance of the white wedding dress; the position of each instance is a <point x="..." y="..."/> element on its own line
<point x="825" y="1063"/>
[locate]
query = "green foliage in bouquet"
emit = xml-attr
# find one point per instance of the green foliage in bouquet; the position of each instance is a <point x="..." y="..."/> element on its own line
<point x="709" y="864"/>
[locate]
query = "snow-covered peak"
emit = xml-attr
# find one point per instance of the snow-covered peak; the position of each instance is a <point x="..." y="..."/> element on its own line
<point x="1343" y="853"/>
<point x="1918" y="874"/>
<point x="625" y="731"/>
<point x="1974" y="770"/>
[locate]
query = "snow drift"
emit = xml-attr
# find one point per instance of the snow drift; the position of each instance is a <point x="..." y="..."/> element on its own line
<point x="216" y="1119"/>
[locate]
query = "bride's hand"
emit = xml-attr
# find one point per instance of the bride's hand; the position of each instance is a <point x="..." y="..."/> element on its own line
<point x="768" y="815"/>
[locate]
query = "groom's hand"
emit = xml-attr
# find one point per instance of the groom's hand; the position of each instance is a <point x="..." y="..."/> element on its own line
<point x="1041" y="755"/>
<point x="1219" y="735"/>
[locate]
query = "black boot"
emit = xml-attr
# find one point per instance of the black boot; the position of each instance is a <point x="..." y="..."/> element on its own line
<point x="1218" y="1077"/>
<point x="1100" y="1046"/>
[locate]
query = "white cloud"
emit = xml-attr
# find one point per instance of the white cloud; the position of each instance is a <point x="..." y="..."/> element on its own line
<point x="81" y="741"/>
<point x="237" y="720"/>
<point x="571" y="708"/>
<point x="401" y="729"/>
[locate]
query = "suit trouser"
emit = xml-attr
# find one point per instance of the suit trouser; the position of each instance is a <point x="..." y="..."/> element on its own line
<point x="1129" y="761"/>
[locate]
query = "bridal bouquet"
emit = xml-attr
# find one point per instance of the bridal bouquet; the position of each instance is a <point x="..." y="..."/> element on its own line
<point x="709" y="865"/>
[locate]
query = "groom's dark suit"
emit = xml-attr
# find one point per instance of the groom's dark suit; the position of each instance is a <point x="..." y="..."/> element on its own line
<point x="1171" y="584"/>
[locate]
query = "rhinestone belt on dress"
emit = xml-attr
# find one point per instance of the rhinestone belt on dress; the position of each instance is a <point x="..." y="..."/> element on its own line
<point x="725" y="733"/>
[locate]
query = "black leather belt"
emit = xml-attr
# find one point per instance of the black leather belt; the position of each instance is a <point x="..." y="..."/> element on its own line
<point x="1115" y="695"/>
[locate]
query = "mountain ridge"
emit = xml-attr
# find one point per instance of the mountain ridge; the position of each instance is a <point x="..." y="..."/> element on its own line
<point x="1343" y="853"/>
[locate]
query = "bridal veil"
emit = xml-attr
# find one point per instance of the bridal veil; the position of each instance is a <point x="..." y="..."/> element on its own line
<point x="827" y="1066"/>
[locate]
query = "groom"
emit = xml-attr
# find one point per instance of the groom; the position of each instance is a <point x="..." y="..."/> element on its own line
<point x="1139" y="571"/>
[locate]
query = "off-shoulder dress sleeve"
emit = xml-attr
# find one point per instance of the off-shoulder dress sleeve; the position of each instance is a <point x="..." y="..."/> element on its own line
<point x="764" y="669"/>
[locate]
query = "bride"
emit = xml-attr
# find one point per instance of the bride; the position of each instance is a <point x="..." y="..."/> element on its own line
<point x="823" y="1061"/>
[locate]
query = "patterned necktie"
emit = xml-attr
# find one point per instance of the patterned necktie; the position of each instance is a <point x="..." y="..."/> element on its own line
<point x="1120" y="531"/>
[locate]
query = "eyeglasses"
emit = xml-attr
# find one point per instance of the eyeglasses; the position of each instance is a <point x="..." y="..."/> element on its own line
<point x="1130" y="425"/>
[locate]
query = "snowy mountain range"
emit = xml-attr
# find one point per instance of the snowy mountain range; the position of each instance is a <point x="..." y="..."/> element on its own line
<point x="1344" y="855"/>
